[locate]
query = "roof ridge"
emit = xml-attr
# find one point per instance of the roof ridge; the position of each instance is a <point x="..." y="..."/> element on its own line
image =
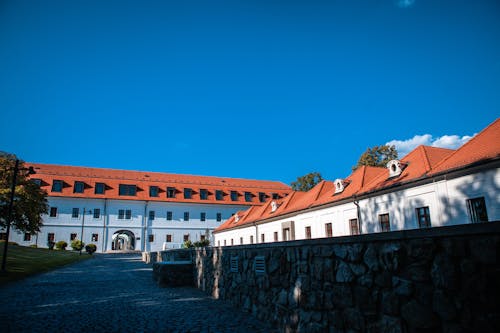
<point x="425" y="158"/>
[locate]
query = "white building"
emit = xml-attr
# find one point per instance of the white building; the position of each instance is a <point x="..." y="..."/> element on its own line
<point x="430" y="187"/>
<point x="133" y="210"/>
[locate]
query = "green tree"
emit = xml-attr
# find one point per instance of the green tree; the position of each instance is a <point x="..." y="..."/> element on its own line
<point x="30" y="201"/>
<point x="377" y="156"/>
<point x="306" y="182"/>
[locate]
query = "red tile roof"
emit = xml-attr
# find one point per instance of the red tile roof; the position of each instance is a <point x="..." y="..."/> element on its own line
<point x="484" y="146"/>
<point x="143" y="180"/>
<point x="420" y="163"/>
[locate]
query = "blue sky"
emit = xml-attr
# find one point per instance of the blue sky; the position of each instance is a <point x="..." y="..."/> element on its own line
<point x="252" y="89"/>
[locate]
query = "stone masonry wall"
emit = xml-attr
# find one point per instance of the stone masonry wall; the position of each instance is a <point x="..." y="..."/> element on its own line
<point x="441" y="279"/>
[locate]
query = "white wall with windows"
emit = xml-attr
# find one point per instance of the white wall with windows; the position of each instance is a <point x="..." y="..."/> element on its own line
<point x="467" y="199"/>
<point x="152" y="226"/>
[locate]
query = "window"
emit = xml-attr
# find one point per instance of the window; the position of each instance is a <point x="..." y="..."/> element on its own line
<point x="124" y="214"/>
<point x="251" y="239"/>
<point x="203" y="194"/>
<point x="169" y="216"/>
<point x="232" y="242"/>
<point x="50" y="237"/>
<point x="57" y="185"/>
<point x="170" y="192"/>
<point x="75" y="213"/>
<point x="168" y="238"/>
<point x="53" y="212"/>
<point x="203" y="216"/>
<point x="188" y="193"/>
<point x="248" y="196"/>
<point x="151" y="214"/>
<point x="219" y="217"/>
<point x="186" y="237"/>
<point x="95" y="237"/>
<point x="27" y="237"/>
<point x="153" y="191"/>
<point x="3" y="236"/>
<point x="37" y="181"/>
<point x="308" y="232"/>
<point x="241" y="240"/>
<point x="234" y="196"/>
<point x="219" y="195"/>
<point x="383" y="219"/>
<point x="477" y="210"/>
<point x="262" y="196"/>
<point x="127" y="190"/>
<point x="275" y="236"/>
<point x="354" y="226"/>
<point x="78" y="187"/>
<point x="275" y="196"/>
<point x="423" y="217"/>
<point x="151" y="238"/>
<point x="328" y="230"/>
<point x="72" y="237"/>
<point x="262" y="238"/>
<point x="218" y="243"/>
<point x="186" y="216"/>
<point x="224" y="242"/>
<point x="100" y="188"/>
<point x="97" y="213"/>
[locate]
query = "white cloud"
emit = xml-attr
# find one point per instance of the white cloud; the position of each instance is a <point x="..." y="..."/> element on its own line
<point x="446" y="141"/>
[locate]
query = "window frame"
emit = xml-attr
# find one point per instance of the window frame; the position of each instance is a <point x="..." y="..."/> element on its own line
<point x="203" y="194"/>
<point x="188" y="193"/>
<point x="171" y="192"/>
<point x="423" y="217"/>
<point x="219" y="195"/>
<point x="75" y="213"/>
<point x="100" y="188"/>
<point x="97" y="213"/>
<point x="354" y="227"/>
<point x="57" y="185"/>
<point x="154" y="191"/>
<point x="203" y="216"/>
<point x="308" y="233"/>
<point x="218" y="217"/>
<point x="234" y="195"/>
<point x="170" y="215"/>
<point x="186" y="216"/>
<point x="476" y="215"/>
<point x="329" y="229"/>
<point x="95" y="237"/>
<point x="78" y="186"/>
<point x="384" y="222"/>
<point x="127" y="190"/>
<point x="53" y="212"/>
<point x="248" y="196"/>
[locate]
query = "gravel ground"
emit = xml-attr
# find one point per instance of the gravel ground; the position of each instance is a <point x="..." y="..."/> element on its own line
<point x="114" y="293"/>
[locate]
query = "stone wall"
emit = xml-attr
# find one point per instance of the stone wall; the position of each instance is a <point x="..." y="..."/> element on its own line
<point x="442" y="279"/>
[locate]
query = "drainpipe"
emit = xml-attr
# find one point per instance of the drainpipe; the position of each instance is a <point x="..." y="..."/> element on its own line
<point x="358" y="212"/>
<point x="144" y="227"/>
<point x="104" y="229"/>
<point x="256" y="233"/>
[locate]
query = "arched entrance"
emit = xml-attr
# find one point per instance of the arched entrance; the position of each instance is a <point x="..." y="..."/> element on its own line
<point x="123" y="240"/>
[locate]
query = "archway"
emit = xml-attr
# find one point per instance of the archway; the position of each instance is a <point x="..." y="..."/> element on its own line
<point x="123" y="240"/>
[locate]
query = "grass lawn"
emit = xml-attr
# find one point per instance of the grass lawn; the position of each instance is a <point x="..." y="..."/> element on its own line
<point x="25" y="261"/>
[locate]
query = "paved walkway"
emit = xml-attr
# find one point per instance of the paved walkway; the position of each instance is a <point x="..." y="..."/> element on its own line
<point x="114" y="293"/>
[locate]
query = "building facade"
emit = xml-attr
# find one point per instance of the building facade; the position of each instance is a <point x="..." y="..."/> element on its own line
<point x="429" y="187"/>
<point x="139" y="211"/>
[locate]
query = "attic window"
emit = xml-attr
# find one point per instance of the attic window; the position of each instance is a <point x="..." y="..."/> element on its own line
<point x="274" y="206"/>
<point x="395" y="168"/>
<point x="236" y="218"/>
<point x="339" y="185"/>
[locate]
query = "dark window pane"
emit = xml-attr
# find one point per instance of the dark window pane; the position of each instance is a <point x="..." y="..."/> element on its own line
<point x="78" y="187"/>
<point x="153" y="191"/>
<point x="188" y="193"/>
<point x="248" y="196"/>
<point x="219" y="195"/>
<point x="203" y="194"/>
<point x="127" y="190"/>
<point x="57" y="186"/>
<point x="99" y="188"/>
<point x="170" y="192"/>
<point x="234" y="196"/>
<point x="169" y="216"/>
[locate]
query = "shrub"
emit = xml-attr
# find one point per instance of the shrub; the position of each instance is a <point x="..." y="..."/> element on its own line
<point x="33" y="246"/>
<point x="77" y="245"/>
<point x="90" y="248"/>
<point x="61" y="245"/>
<point x="202" y="243"/>
<point x="187" y="244"/>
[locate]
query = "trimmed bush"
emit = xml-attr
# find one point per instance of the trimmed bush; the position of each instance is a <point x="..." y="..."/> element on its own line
<point x="61" y="245"/>
<point x="77" y="245"/>
<point x="187" y="244"/>
<point x="90" y="248"/>
<point x="202" y="243"/>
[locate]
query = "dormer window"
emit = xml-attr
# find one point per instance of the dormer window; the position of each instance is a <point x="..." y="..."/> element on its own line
<point x="339" y="185"/>
<point x="274" y="206"/>
<point x="236" y="218"/>
<point x="395" y="168"/>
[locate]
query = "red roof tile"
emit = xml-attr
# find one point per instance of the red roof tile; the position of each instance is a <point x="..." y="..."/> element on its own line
<point x="143" y="180"/>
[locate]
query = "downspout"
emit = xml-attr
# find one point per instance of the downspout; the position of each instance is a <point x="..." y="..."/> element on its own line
<point x="144" y="227"/>
<point x="256" y="233"/>
<point x="104" y="229"/>
<point x="358" y="212"/>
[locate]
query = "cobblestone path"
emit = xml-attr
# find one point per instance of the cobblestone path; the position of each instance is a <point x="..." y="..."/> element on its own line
<point x="114" y="293"/>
